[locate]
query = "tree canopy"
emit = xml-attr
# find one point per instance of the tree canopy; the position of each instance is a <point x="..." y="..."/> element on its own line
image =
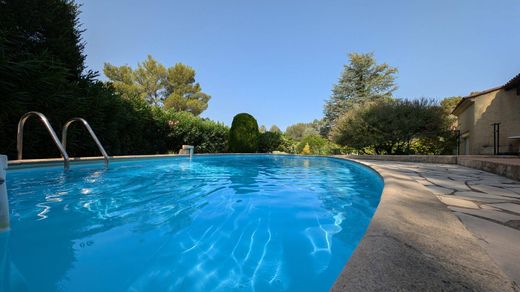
<point x="362" y="80"/>
<point x="275" y="129"/>
<point x="394" y="127"/>
<point x="174" y="87"/>
<point x="299" y="131"/>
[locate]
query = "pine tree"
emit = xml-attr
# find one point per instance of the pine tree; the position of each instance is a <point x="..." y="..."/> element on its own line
<point x="173" y="87"/>
<point x="362" y="80"/>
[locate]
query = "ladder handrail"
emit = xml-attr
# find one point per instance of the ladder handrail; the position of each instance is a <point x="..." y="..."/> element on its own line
<point x="43" y="119"/>
<point x="91" y="132"/>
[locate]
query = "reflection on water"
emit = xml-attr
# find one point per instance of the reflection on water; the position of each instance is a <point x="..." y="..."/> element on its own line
<point x="213" y="223"/>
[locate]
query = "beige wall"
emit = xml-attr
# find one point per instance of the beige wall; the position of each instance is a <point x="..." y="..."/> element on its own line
<point x="498" y="106"/>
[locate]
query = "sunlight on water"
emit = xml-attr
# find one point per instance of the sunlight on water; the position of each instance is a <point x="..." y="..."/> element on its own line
<point x="215" y="223"/>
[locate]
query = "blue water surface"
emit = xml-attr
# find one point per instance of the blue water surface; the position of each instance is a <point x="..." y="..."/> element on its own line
<point x="212" y="223"/>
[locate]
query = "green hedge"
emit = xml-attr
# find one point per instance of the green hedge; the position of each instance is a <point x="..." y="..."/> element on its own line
<point x="269" y="142"/>
<point x="243" y="135"/>
<point x="46" y="73"/>
<point x="207" y="136"/>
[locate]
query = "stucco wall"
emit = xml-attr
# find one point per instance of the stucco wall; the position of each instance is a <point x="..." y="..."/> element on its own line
<point x="466" y="125"/>
<point x="498" y="106"/>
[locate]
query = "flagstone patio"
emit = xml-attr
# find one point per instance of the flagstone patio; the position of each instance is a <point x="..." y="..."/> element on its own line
<point x="438" y="252"/>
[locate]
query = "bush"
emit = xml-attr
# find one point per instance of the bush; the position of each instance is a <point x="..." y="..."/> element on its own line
<point x="269" y="142"/>
<point x="316" y="143"/>
<point x="207" y="136"/>
<point x="287" y="145"/>
<point x="306" y="149"/>
<point x="243" y="135"/>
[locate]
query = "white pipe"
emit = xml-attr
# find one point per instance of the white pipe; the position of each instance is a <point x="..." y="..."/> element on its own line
<point x="4" y="205"/>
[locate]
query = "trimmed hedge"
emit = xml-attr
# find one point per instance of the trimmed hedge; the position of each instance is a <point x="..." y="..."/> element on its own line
<point x="269" y="142"/>
<point x="244" y="134"/>
<point x="206" y="135"/>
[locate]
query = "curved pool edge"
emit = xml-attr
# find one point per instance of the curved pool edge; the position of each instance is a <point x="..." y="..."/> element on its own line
<point x="375" y="179"/>
<point x="46" y="162"/>
<point x="414" y="243"/>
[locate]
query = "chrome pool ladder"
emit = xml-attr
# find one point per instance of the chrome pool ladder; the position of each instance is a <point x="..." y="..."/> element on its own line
<point x="90" y="131"/>
<point x="61" y="145"/>
<point x="43" y="119"/>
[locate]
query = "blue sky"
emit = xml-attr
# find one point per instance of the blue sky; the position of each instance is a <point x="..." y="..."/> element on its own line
<point x="279" y="59"/>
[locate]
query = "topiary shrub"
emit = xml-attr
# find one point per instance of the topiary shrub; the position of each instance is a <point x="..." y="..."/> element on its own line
<point x="243" y="135"/>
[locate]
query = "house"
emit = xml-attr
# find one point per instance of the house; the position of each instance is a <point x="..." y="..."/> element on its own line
<point x="489" y="121"/>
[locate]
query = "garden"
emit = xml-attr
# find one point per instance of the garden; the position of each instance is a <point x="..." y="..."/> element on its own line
<point x="152" y="108"/>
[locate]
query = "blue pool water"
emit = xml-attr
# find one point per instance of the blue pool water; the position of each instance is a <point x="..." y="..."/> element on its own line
<point x="213" y="223"/>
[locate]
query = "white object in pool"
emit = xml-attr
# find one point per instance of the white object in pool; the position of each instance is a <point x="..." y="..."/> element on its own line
<point x="187" y="149"/>
<point x="4" y="206"/>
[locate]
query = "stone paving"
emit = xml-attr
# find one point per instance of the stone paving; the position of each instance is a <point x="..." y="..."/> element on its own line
<point x="487" y="204"/>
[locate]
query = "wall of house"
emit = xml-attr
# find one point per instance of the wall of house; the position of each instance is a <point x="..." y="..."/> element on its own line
<point x="498" y="106"/>
<point x="466" y="124"/>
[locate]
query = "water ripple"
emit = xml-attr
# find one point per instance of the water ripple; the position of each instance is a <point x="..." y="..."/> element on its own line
<point x="255" y="223"/>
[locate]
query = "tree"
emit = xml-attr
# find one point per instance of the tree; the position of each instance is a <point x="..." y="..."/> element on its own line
<point x="362" y="80"/>
<point x="301" y="130"/>
<point x="449" y="104"/>
<point x="174" y="88"/>
<point x="183" y="93"/>
<point x="275" y="129"/>
<point x="243" y="135"/>
<point x="42" y="69"/>
<point x="262" y="129"/>
<point x="395" y="127"/>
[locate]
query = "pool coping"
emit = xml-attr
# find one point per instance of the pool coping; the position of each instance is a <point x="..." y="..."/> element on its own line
<point x="45" y="162"/>
<point x="415" y="243"/>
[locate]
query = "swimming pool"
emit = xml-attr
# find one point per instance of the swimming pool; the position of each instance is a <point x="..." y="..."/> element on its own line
<point x="216" y="222"/>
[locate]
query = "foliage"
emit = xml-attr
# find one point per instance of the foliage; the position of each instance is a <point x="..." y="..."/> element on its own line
<point x="269" y="142"/>
<point x="395" y="127"/>
<point x="262" y="129"/>
<point x="318" y="145"/>
<point x="449" y="104"/>
<point x="173" y="87"/>
<point x="306" y="149"/>
<point x="275" y="129"/>
<point x="41" y="65"/>
<point x="183" y="93"/>
<point x="244" y="134"/>
<point x="185" y="128"/>
<point x="41" y="69"/>
<point x="301" y="130"/>
<point x="287" y="145"/>
<point x="362" y="81"/>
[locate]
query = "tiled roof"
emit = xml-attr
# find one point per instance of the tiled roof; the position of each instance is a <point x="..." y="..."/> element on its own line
<point x="513" y="83"/>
